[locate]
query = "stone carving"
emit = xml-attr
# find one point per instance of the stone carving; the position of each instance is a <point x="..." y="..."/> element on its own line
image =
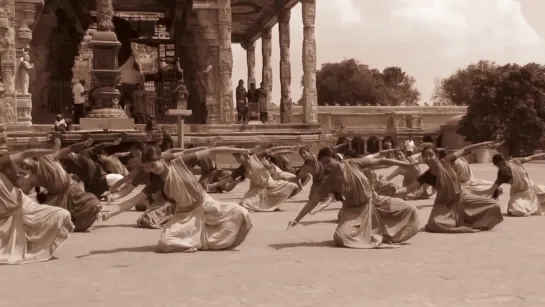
<point x="10" y="114"/>
<point x="266" y="52"/>
<point x="24" y="68"/>
<point x="285" y="66"/>
<point x="181" y="95"/>
<point x="226" y="66"/>
<point x="250" y="61"/>
<point x="310" y="101"/>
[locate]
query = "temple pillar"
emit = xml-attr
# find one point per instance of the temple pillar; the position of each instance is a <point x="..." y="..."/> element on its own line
<point x="25" y="18"/>
<point x="8" y="63"/>
<point x="266" y="73"/>
<point x="310" y="94"/>
<point x="284" y="17"/>
<point x="106" y="113"/>
<point x="250" y="61"/>
<point x="226" y="64"/>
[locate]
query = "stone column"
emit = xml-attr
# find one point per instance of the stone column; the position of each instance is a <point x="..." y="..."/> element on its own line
<point x="8" y="62"/>
<point x="25" y="17"/>
<point x="226" y="64"/>
<point x="250" y="61"/>
<point x="105" y="74"/>
<point x="284" y="17"/>
<point x="310" y="95"/>
<point x="267" y="74"/>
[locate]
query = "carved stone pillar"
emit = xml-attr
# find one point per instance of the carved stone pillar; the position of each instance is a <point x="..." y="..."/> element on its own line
<point x="25" y="17"/>
<point x="106" y="114"/>
<point x="226" y="64"/>
<point x="284" y="17"/>
<point x="267" y="74"/>
<point x="310" y="95"/>
<point x="250" y="61"/>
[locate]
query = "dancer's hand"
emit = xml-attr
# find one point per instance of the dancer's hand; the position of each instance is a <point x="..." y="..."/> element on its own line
<point x="292" y="224"/>
<point x="89" y="142"/>
<point x="103" y="216"/>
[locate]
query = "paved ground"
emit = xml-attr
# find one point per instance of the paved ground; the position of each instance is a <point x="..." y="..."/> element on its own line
<point x="115" y="265"/>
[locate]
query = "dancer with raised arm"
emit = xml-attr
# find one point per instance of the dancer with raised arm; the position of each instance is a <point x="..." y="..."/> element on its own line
<point x="62" y="190"/>
<point x="367" y="220"/>
<point x="198" y="221"/>
<point x="265" y="194"/>
<point x="455" y="210"/>
<point x="410" y="174"/>
<point x="526" y="198"/>
<point x="30" y="232"/>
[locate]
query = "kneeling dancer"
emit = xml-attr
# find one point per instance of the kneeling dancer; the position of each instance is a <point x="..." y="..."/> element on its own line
<point x="455" y="209"/>
<point x="198" y="221"/>
<point x="367" y="220"/>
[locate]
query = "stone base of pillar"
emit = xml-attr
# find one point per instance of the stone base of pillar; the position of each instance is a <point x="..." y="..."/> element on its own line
<point x="24" y="109"/>
<point x="111" y="123"/>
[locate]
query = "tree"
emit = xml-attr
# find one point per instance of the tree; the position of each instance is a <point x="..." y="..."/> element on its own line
<point x="351" y="83"/>
<point x="455" y="90"/>
<point x="507" y="101"/>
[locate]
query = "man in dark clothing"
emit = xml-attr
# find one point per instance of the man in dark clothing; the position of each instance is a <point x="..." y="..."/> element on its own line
<point x="242" y="103"/>
<point x="253" y="99"/>
<point x="167" y="140"/>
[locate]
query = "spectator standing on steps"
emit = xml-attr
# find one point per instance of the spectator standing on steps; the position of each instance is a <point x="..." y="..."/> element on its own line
<point x="80" y="93"/>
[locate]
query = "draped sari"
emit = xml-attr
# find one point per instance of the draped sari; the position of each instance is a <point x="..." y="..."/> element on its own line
<point x="198" y="222"/>
<point x="368" y="220"/>
<point x="455" y="210"/>
<point x="465" y="175"/>
<point x="29" y="232"/>
<point x="526" y="197"/>
<point x="265" y="194"/>
<point x="65" y="193"/>
<point x="314" y="168"/>
<point x="276" y="172"/>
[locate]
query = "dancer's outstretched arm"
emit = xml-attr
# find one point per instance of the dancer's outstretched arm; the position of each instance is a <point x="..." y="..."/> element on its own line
<point x="466" y="150"/>
<point x="22" y="155"/>
<point x="97" y="148"/>
<point x="63" y="152"/>
<point x="367" y="162"/>
<point x="531" y="158"/>
<point x="206" y="153"/>
<point x="381" y="153"/>
<point x="123" y="205"/>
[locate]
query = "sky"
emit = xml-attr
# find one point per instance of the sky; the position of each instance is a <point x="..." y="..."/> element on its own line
<point x="429" y="39"/>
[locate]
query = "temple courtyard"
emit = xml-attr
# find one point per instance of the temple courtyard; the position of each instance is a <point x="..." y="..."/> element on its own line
<point x="115" y="265"/>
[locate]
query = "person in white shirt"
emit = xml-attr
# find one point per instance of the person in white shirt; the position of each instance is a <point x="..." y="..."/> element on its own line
<point x="80" y="94"/>
<point x="409" y="147"/>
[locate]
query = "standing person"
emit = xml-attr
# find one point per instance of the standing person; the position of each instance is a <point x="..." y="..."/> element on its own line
<point x="253" y="102"/>
<point x="80" y="93"/>
<point x="198" y="221"/>
<point x="167" y="142"/>
<point x="30" y="232"/>
<point x="409" y="147"/>
<point x="139" y="110"/>
<point x="455" y="210"/>
<point x="242" y="103"/>
<point x="263" y="102"/>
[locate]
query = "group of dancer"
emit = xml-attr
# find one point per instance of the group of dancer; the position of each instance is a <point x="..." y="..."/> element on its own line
<point x="73" y="182"/>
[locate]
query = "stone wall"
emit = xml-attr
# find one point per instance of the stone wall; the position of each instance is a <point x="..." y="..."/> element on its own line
<point x="380" y="120"/>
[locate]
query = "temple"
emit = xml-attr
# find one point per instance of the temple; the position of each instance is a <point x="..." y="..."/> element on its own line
<point x="156" y="39"/>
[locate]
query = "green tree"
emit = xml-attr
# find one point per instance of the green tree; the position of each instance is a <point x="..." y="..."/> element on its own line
<point x="509" y="101"/>
<point x="456" y="89"/>
<point x="351" y="83"/>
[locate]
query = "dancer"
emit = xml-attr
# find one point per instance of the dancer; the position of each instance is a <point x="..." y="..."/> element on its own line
<point x="367" y="220"/>
<point x="265" y="193"/>
<point x="455" y="210"/>
<point x="62" y="190"/>
<point x="198" y="221"/>
<point x="410" y="174"/>
<point x="526" y="197"/>
<point x="210" y="174"/>
<point x="30" y="232"/>
<point x="381" y="186"/>
<point x="465" y="175"/>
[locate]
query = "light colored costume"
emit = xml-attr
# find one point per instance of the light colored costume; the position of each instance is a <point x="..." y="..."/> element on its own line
<point x="368" y="220"/>
<point x="198" y="222"/>
<point x="265" y="194"/>
<point x="465" y="175"/>
<point x="455" y="210"/>
<point x="526" y="197"/>
<point x="29" y="232"/>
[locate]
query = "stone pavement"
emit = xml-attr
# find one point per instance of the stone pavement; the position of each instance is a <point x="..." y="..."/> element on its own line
<point x="115" y="265"/>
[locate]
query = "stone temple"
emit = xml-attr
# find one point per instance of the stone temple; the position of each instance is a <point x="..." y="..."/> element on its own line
<point x="47" y="46"/>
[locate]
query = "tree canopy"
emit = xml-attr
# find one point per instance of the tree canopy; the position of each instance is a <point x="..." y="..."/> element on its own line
<point x="456" y="89"/>
<point x="351" y="83"/>
<point x="508" y="101"/>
